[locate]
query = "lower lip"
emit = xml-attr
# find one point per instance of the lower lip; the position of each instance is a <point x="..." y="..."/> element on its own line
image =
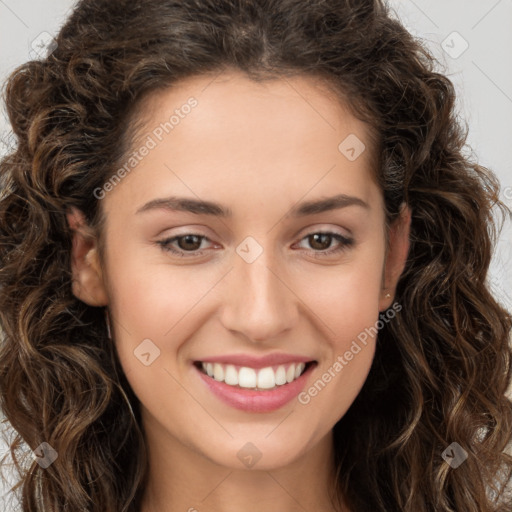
<point x="256" y="401"/>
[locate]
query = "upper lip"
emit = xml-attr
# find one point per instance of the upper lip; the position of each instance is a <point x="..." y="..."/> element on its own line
<point x="257" y="361"/>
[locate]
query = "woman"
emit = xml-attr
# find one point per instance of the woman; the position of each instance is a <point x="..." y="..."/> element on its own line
<point x="243" y="266"/>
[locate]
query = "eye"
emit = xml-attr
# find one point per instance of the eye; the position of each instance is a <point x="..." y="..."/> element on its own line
<point x="188" y="243"/>
<point x="321" y="242"/>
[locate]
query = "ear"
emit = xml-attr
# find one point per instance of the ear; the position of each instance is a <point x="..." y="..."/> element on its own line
<point x="87" y="279"/>
<point x="396" y="256"/>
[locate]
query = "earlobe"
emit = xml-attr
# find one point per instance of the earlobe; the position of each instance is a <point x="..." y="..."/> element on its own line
<point x="87" y="278"/>
<point x="396" y="258"/>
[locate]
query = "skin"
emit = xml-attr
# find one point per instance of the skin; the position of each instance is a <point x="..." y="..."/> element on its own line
<point x="258" y="149"/>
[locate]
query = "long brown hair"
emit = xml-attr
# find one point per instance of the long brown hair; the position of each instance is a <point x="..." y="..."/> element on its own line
<point x="441" y="368"/>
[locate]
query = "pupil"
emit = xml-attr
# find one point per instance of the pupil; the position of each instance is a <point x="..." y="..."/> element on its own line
<point x="187" y="240"/>
<point x="321" y="236"/>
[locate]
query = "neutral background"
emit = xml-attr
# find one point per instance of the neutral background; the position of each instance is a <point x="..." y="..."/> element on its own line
<point x="471" y="38"/>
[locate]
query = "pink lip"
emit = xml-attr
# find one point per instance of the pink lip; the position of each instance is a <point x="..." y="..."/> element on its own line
<point x="256" y="401"/>
<point x="257" y="362"/>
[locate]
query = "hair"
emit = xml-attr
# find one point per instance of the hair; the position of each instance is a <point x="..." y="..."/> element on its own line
<point x="441" y="367"/>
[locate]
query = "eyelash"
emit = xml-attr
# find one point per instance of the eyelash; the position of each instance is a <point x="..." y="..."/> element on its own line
<point x="345" y="243"/>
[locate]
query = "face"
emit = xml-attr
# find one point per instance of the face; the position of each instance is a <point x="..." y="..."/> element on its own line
<point x="244" y="319"/>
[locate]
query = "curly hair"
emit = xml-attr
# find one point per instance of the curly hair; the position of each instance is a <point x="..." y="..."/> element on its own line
<point x="441" y="369"/>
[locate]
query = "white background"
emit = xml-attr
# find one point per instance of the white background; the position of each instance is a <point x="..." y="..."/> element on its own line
<point x="482" y="74"/>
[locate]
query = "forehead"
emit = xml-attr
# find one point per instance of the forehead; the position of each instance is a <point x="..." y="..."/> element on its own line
<point x="285" y="133"/>
<point x="230" y="100"/>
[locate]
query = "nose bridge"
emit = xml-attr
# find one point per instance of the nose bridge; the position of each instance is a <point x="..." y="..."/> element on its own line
<point x="257" y="303"/>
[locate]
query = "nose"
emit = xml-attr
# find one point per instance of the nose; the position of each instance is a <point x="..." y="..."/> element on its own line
<point x="258" y="302"/>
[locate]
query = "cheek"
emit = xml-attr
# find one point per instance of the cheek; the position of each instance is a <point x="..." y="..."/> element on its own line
<point x="346" y="297"/>
<point x="144" y="307"/>
<point x="157" y="309"/>
<point x="148" y="295"/>
<point x="348" y="306"/>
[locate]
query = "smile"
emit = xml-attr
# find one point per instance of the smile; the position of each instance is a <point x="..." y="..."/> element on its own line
<point x="252" y="378"/>
<point x="255" y="385"/>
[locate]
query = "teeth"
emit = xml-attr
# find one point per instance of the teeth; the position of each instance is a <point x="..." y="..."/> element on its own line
<point x="280" y="375"/>
<point x="231" y="376"/>
<point x="218" y="372"/>
<point x="245" y="377"/>
<point x="266" y="378"/>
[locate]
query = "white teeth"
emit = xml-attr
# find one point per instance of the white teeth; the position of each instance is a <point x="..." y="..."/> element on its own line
<point x="280" y="375"/>
<point x="245" y="377"/>
<point x="218" y="372"/>
<point x="266" y="378"/>
<point x="231" y="376"/>
<point x="290" y="373"/>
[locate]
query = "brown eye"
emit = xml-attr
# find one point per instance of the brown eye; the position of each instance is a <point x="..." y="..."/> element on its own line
<point x="320" y="241"/>
<point x="189" y="242"/>
<point x="183" y="244"/>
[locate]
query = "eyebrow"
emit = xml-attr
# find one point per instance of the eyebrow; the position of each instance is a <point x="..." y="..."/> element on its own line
<point x="200" y="207"/>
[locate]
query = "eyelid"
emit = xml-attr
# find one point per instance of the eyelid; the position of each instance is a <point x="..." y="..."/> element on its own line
<point x="324" y="228"/>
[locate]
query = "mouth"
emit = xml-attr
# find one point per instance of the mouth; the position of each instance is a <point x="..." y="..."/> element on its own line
<point x="255" y="386"/>
<point x="257" y="379"/>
